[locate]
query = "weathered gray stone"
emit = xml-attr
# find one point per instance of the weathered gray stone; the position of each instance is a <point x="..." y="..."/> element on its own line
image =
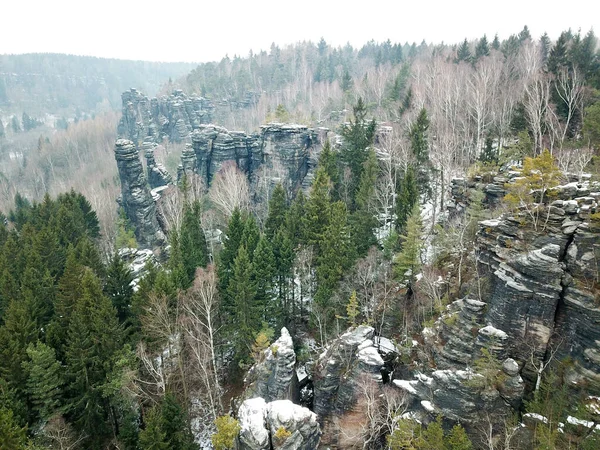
<point x="274" y="376"/>
<point x="136" y="198"/>
<point x="279" y="425"/>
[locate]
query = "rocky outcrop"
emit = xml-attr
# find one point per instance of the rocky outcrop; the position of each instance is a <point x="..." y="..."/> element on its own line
<point x="281" y="153"/>
<point x="280" y="425"/>
<point x="274" y="376"/>
<point x="338" y="370"/>
<point x="172" y="116"/>
<point x="136" y="198"/>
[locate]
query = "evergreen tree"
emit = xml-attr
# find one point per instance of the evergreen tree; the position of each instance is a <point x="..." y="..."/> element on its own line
<point x="328" y="159"/>
<point x="44" y="380"/>
<point x="242" y="291"/>
<point x="545" y="46"/>
<point x="176" y="425"/>
<point x="283" y="252"/>
<point x="192" y="241"/>
<point x="233" y="240"/>
<point x="336" y="254"/>
<point x="496" y="43"/>
<point x="94" y="336"/>
<point x="346" y="83"/>
<point x="12" y="436"/>
<point x="264" y="271"/>
<point x="118" y="287"/>
<point x="457" y="439"/>
<point x="315" y="219"/>
<point x="463" y="53"/>
<point x="178" y="274"/>
<point x="482" y="49"/>
<point x="407" y="197"/>
<point x="251" y="235"/>
<point x="433" y="435"/>
<point x="153" y="436"/>
<point x="294" y="221"/>
<point x="408" y="261"/>
<point x="419" y="144"/>
<point x="363" y="220"/>
<point x="352" y="309"/>
<point x="277" y="210"/>
<point x="358" y="137"/>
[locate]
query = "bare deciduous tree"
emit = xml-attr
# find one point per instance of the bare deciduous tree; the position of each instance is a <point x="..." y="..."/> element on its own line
<point x="229" y="190"/>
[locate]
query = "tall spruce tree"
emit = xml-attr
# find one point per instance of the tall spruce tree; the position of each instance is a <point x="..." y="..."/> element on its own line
<point x="363" y="220"/>
<point x="94" y="337"/>
<point x="407" y="197"/>
<point x="277" y="211"/>
<point x="358" y="137"/>
<point x="264" y="271"/>
<point x="419" y="144"/>
<point x="242" y="292"/>
<point x="192" y="241"/>
<point x="118" y="287"/>
<point x="44" y="380"/>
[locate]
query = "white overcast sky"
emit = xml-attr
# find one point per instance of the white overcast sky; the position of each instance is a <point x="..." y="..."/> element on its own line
<point x="200" y="30"/>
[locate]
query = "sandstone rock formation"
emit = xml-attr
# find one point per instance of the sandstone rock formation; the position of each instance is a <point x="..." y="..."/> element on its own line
<point x="279" y="425"/>
<point x="136" y="198"/>
<point x="174" y="116"/>
<point x="274" y="377"/>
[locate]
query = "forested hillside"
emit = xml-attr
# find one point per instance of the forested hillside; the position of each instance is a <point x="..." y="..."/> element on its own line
<point x="69" y="86"/>
<point x="413" y="264"/>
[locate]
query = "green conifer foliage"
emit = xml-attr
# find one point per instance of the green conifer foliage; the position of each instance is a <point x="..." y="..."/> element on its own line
<point x="242" y="292"/>
<point x="44" y="379"/>
<point x="408" y="261"/>
<point x="94" y="337"/>
<point x="277" y="211"/>
<point x="192" y="241"/>
<point x="118" y="287"/>
<point x="407" y="197"/>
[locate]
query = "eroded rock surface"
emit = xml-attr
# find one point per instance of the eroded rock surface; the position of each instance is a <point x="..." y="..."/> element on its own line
<point x="280" y="425"/>
<point x="274" y="377"/>
<point x="136" y="198"/>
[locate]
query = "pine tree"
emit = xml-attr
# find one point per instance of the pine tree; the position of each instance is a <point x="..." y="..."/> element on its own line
<point x="242" y="291"/>
<point x="363" y="220"/>
<point x="433" y="435"/>
<point x="482" y="48"/>
<point x="251" y="235"/>
<point x="12" y="436"/>
<point x="336" y="254"/>
<point x="179" y="275"/>
<point x="496" y="43"/>
<point x="545" y="46"/>
<point x="264" y="271"/>
<point x="233" y="240"/>
<point x="277" y="211"/>
<point x="118" y="287"/>
<point x="192" y="241"/>
<point x="352" y="309"/>
<point x="94" y="336"/>
<point x="315" y="219"/>
<point x="226" y="434"/>
<point x="328" y="159"/>
<point x="408" y="261"/>
<point x="463" y="53"/>
<point x="419" y="144"/>
<point x="407" y="197"/>
<point x="358" y="137"/>
<point x="294" y="221"/>
<point x="153" y="436"/>
<point x="44" y="380"/>
<point x="283" y="251"/>
<point x="175" y="425"/>
<point x="457" y="439"/>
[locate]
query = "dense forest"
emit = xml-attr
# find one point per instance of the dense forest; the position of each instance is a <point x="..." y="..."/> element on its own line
<point x="449" y="175"/>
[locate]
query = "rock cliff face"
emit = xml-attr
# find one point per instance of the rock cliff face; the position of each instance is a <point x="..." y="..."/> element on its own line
<point x="174" y="116"/>
<point x="279" y="425"/>
<point x="274" y="377"/>
<point x="539" y="297"/>
<point x="136" y="198"/>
